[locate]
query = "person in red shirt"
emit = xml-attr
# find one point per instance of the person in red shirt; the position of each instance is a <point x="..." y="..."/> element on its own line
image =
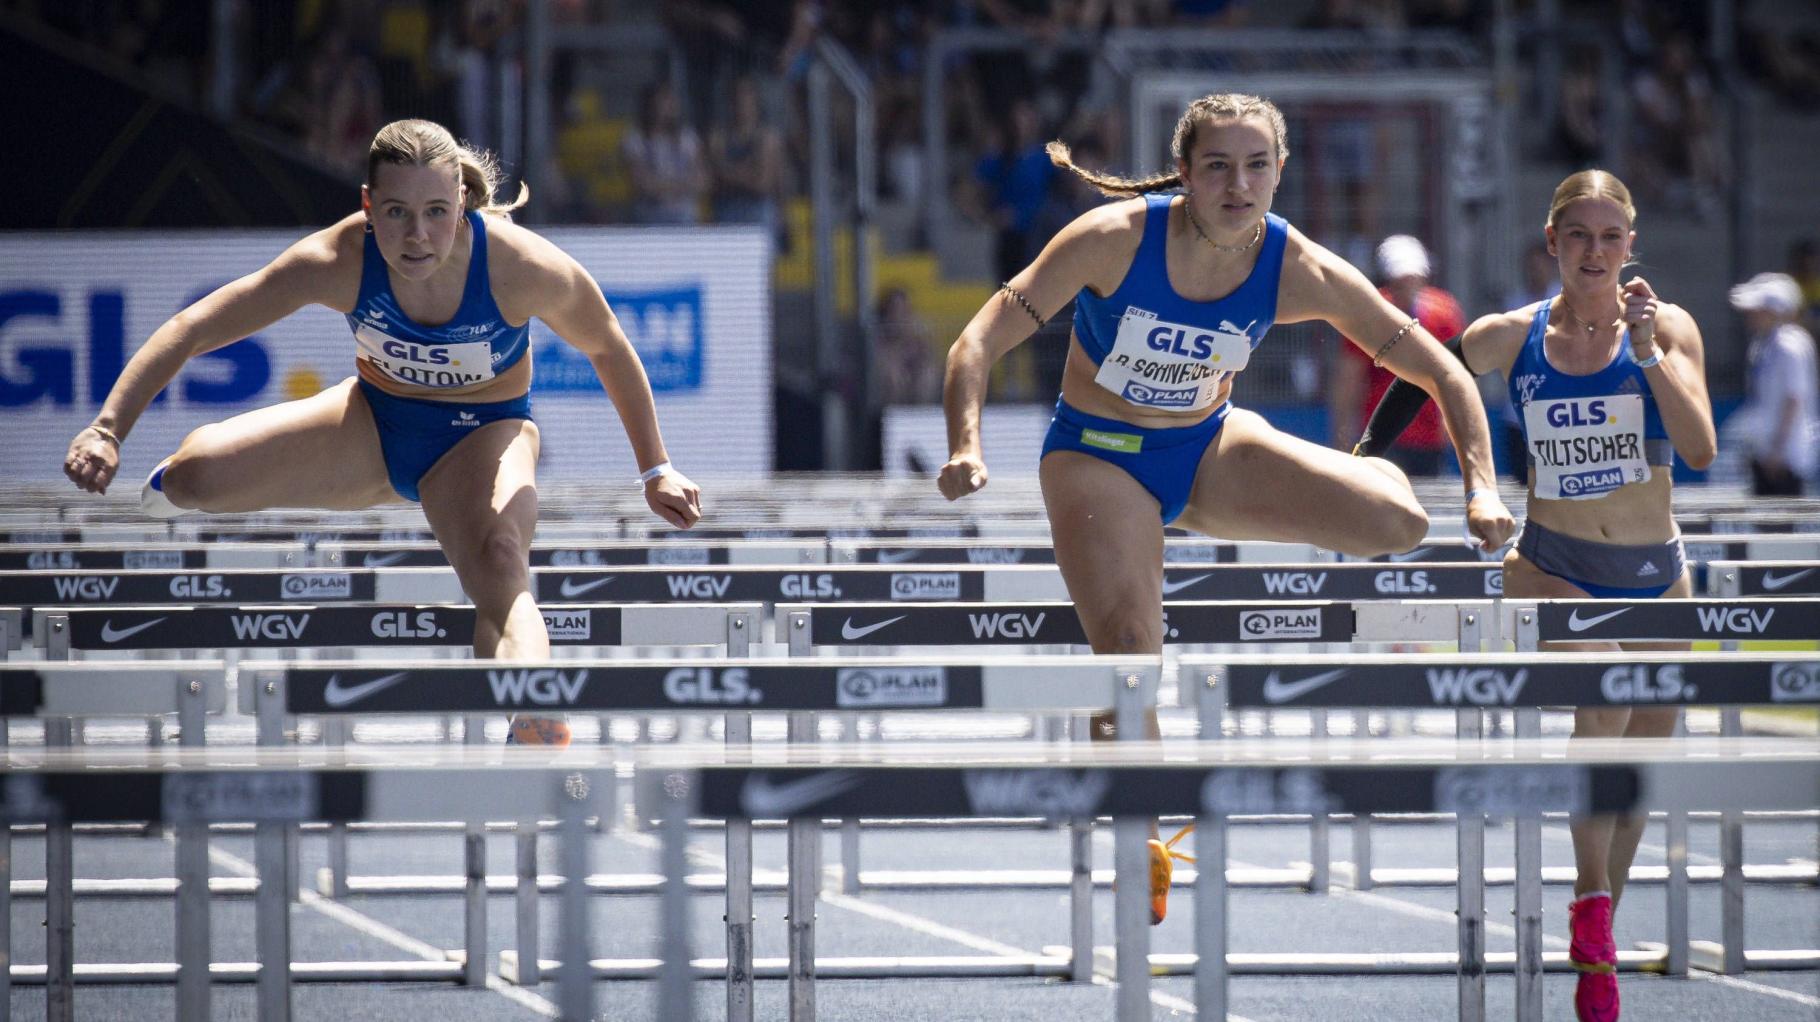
<point x="1357" y="384"/>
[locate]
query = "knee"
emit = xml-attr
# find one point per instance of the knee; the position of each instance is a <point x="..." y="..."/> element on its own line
<point x="1124" y="633"/>
<point x="1397" y="523"/>
<point x="498" y="562"/>
<point x="192" y="479"/>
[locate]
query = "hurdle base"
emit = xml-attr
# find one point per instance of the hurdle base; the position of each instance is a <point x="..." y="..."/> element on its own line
<point x="885" y="967"/>
<point x="248" y="972"/>
<point x="1394" y="963"/>
<point x="1709" y="956"/>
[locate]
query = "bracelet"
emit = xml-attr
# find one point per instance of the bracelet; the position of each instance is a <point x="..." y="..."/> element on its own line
<point x="106" y="434"/>
<point x="1472" y="495"/>
<point x="1645" y="363"/>
<point x="657" y="471"/>
<point x="1021" y="300"/>
<point x="1378" y="359"/>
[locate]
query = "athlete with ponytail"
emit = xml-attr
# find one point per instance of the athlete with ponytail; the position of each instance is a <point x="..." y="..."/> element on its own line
<point x="1609" y="383"/>
<point x="439" y="287"/>
<point x="1173" y="289"/>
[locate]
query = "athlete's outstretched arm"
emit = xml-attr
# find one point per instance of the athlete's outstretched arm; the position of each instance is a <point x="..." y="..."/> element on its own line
<point x="301" y="275"/>
<point x="1396" y="341"/>
<point x="579" y="313"/>
<point x="1008" y="318"/>
<point x="1678" y="380"/>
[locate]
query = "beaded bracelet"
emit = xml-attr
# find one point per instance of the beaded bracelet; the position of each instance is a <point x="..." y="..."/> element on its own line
<point x="106" y="434"/>
<point x="1021" y="300"/>
<point x="1378" y="359"/>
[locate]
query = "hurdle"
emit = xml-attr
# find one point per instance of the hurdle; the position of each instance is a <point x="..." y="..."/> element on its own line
<point x="56" y="694"/>
<point x="274" y="691"/>
<point x="1471" y="684"/>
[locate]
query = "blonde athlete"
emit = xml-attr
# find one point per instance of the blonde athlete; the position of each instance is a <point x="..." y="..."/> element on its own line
<point x="439" y="287"/>
<point x="1610" y="384"/>
<point x="1172" y="293"/>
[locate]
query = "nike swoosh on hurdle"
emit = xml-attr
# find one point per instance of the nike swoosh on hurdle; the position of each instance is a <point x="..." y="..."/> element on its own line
<point x="1581" y="624"/>
<point x="1276" y="690"/>
<point x="849" y="632"/>
<point x="1773" y="582"/>
<point x="765" y="800"/>
<point x="384" y="560"/>
<point x="572" y="588"/>
<point x="335" y="694"/>
<point x="898" y="556"/>
<point x="1177" y="586"/>
<point x="111" y="634"/>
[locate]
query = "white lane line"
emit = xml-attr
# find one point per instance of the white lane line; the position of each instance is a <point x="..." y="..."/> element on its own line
<point x="1757" y="988"/>
<point x="380" y="931"/>
<point x="919" y="924"/>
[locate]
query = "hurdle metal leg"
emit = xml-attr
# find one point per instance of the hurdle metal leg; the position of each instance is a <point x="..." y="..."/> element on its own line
<point x="575" y="983"/>
<point x="849" y="828"/>
<point x="271" y="859"/>
<point x="6" y="895"/>
<point x="59" y="901"/>
<point x="1676" y="842"/>
<point x="530" y="966"/>
<point x="804" y="848"/>
<point x="192" y="864"/>
<point x="335" y="734"/>
<point x="1471" y="873"/>
<point x="1320" y="832"/>
<point x="739" y="893"/>
<point x="1210" y="892"/>
<point x="1528" y="895"/>
<point x="676" y="969"/>
<point x="1131" y="863"/>
<point x="1080" y="882"/>
<point x="1731" y="865"/>
<point x="1361" y="822"/>
<point x="474" y="852"/>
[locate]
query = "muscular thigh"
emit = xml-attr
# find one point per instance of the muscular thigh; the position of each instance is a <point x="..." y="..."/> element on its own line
<point x="318" y="452"/>
<point x="1256" y="482"/>
<point x="1109" y="545"/>
<point x="483" y="491"/>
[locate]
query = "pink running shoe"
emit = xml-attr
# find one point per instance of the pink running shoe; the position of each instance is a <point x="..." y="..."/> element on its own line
<point x="1595" y="955"/>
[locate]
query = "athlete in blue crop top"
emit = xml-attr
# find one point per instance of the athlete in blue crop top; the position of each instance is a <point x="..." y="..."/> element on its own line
<point x="438" y="286"/>
<point x="1172" y="293"/>
<point x="1609" y="383"/>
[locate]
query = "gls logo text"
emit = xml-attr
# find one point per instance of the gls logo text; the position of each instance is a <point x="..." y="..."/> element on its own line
<point x="401" y="624"/>
<point x="1636" y="683"/>
<point x="1476" y="686"/>
<point x="707" y="686"/>
<point x="1401" y="582"/>
<point x="34" y="326"/>
<point x="200" y="586"/>
<point x="539" y="686"/>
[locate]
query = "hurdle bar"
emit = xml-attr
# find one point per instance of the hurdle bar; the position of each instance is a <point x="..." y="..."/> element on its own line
<point x="1130" y="784"/>
<point x="273" y="691"/>
<point x="1763" y="578"/>
<point x="56" y="693"/>
<point x="1473" y="683"/>
<point x="586" y="553"/>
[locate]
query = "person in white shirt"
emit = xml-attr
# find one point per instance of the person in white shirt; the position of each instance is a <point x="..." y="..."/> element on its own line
<point x="1782" y="387"/>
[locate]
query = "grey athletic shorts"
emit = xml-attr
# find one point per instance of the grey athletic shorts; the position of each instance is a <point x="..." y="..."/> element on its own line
<point x="1604" y="570"/>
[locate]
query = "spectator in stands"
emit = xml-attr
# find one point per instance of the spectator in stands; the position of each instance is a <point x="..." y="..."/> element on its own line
<point x="904" y="367"/>
<point x="345" y="102"/>
<point x="1404" y="272"/>
<point x="1014" y="183"/>
<point x="1578" y="133"/>
<point x="664" y="158"/>
<point x="1781" y="412"/>
<point x="1675" y="142"/>
<point x="746" y="156"/>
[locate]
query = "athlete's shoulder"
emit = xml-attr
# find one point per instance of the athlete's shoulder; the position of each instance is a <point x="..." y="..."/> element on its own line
<point x="342" y="243"/>
<point x="1511" y="325"/>
<point x="520" y="257"/>
<point x="1111" y="222"/>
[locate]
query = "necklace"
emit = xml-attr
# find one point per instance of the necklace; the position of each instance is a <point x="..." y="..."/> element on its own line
<point x="1256" y="236"/>
<point x="1592" y="329"/>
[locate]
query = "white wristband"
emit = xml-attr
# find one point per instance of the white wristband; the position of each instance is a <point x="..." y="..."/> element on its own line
<point x="656" y="471"/>
<point x="1644" y="363"/>
<point x="1472" y="495"/>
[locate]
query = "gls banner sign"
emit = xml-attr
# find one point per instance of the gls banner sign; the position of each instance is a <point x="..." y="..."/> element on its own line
<point x="665" y="327"/>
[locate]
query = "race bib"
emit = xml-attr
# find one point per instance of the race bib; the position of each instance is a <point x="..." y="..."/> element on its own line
<point x="1157" y="364"/>
<point x="1586" y="447"/>
<point x="426" y="365"/>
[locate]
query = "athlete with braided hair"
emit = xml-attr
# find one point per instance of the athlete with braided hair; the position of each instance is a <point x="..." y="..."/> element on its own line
<point x="1173" y="288"/>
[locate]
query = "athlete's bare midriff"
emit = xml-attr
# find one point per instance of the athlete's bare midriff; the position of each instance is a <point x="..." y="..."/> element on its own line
<point x="1081" y="391"/>
<point x="1633" y="515"/>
